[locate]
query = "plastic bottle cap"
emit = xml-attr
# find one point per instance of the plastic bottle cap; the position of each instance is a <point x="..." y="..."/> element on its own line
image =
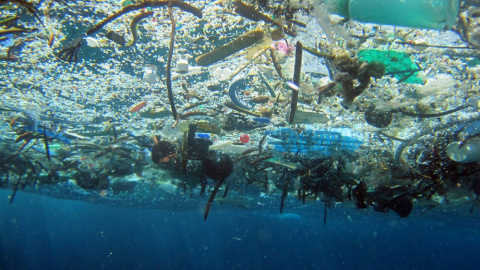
<point x="244" y="138"/>
<point x="182" y="66"/>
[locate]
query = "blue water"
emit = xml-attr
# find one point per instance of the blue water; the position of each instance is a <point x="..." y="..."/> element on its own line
<point x="39" y="232"/>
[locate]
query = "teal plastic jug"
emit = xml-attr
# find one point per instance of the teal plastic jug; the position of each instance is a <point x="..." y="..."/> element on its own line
<point x="428" y="14"/>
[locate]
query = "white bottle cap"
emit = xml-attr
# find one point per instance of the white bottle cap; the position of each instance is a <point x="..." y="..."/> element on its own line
<point x="182" y="66"/>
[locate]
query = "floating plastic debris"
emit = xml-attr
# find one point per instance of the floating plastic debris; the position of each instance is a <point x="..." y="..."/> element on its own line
<point x="326" y="142"/>
<point x="150" y="73"/>
<point x="138" y="107"/>
<point x="440" y="84"/>
<point x="437" y="15"/>
<point x="92" y="42"/>
<point x="394" y="62"/>
<point x="244" y="138"/>
<point x="464" y="153"/>
<point x="310" y="117"/>
<point x="182" y="66"/>
<point x="54" y="135"/>
<point x="263" y="120"/>
<point x="236" y="45"/>
<point x="203" y="135"/>
<point x="240" y="83"/>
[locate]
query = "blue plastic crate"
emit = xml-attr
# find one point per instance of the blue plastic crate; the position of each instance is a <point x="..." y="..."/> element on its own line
<point x="325" y="142"/>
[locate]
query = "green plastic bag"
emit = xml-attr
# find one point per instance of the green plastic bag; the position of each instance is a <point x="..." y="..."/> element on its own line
<point x="393" y="61"/>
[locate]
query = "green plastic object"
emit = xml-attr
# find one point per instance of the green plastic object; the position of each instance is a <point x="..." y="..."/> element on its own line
<point x="428" y="14"/>
<point x="127" y="2"/>
<point x="394" y="62"/>
<point x="473" y="63"/>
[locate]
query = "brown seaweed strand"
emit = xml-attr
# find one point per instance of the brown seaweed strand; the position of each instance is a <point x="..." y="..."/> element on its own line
<point x="145" y="4"/>
<point x="169" y="65"/>
<point x="195" y="105"/>
<point x="194" y="113"/>
<point x="176" y="3"/>
<point x="118" y="14"/>
<point x="277" y="66"/>
<point x="249" y="12"/>
<point x="296" y="80"/>
<point x="232" y="106"/>
<point x="210" y="200"/>
<point x="47" y="150"/>
<point x="29" y="6"/>
<point x="134" y="24"/>
<point x="320" y="54"/>
<point x="284" y="192"/>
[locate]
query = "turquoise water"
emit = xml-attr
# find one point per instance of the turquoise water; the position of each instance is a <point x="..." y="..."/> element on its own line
<point x="45" y="233"/>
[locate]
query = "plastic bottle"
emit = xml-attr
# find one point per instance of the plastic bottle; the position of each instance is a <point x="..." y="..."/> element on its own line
<point x="429" y="14"/>
<point x="469" y="152"/>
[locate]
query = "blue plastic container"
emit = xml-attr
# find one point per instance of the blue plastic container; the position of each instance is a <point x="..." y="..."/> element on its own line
<point x="324" y="142"/>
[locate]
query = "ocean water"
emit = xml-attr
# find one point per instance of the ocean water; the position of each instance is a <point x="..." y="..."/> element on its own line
<point x="40" y="232"/>
<point x="380" y="122"/>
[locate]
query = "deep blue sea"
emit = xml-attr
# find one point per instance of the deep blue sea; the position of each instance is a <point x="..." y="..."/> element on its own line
<point x="39" y="232"/>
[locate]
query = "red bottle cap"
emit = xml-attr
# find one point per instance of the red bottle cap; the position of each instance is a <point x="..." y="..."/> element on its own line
<point x="244" y="138"/>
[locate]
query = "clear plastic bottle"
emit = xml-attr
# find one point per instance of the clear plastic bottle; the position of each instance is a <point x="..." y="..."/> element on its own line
<point x="428" y="14"/>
